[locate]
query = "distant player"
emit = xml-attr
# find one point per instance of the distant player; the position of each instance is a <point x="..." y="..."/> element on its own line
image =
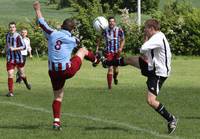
<point x="61" y="65"/>
<point x="155" y="64"/>
<point x="114" y="40"/>
<point x="25" y="52"/>
<point x="14" y="45"/>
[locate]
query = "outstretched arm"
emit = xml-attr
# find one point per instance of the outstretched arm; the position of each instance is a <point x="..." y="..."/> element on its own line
<point x="45" y="27"/>
<point x="36" y="6"/>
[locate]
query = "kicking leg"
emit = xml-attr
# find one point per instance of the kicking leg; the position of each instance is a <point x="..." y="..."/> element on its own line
<point x="23" y="77"/>
<point x="133" y="61"/>
<point x="123" y="61"/>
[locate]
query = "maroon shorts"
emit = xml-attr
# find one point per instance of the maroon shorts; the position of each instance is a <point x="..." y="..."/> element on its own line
<point x="58" y="77"/>
<point x="11" y="66"/>
<point x="112" y="56"/>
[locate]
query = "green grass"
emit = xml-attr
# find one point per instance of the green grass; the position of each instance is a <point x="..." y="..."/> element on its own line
<point x="90" y="111"/>
<point x="19" y="10"/>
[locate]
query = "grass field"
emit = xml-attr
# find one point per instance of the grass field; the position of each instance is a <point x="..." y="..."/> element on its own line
<point x="90" y="111"/>
<point x="19" y="10"/>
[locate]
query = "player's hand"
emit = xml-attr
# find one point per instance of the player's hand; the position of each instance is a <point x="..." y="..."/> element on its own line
<point x="120" y="50"/>
<point x="31" y="56"/>
<point x="36" y="5"/>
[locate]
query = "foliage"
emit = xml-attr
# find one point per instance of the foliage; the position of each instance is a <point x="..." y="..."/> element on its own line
<point x="88" y="11"/>
<point x="181" y="24"/>
<point x="2" y="38"/>
<point x="133" y="34"/>
<point x="63" y="3"/>
<point x="146" y="5"/>
<point x="38" y="41"/>
<point x="113" y="5"/>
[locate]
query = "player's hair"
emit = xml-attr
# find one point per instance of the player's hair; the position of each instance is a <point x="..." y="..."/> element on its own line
<point x="24" y="29"/>
<point x="68" y="24"/>
<point x="111" y="17"/>
<point x="152" y="23"/>
<point x="12" y="23"/>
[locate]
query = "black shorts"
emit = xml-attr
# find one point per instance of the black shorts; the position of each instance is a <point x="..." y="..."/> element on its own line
<point x="154" y="82"/>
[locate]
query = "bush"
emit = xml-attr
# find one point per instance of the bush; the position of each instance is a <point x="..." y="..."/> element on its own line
<point x="38" y="41"/>
<point x="181" y="24"/>
<point x="133" y="35"/>
<point x="87" y="14"/>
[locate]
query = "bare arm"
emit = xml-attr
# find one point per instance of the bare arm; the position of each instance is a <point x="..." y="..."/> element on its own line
<point x="36" y="6"/>
<point x="122" y="42"/>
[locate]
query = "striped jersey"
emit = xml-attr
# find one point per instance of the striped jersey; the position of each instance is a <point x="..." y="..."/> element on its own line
<point x="112" y="38"/>
<point x="158" y="51"/>
<point x="60" y="46"/>
<point x="14" y="40"/>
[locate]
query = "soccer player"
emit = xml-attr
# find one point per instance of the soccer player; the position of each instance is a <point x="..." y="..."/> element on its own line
<point x="155" y="64"/>
<point x="61" y="65"/>
<point x="114" y="40"/>
<point x="14" y="45"/>
<point x="25" y="52"/>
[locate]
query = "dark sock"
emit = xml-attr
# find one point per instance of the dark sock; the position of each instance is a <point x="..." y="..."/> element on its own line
<point x="25" y="80"/>
<point x="115" y="75"/>
<point x="164" y="113"/>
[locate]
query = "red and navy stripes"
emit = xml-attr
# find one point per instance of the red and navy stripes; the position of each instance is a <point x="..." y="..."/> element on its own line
<point x="113" y="38"/>
<point x="14" y="40"/>
<point x="58" y="66"/>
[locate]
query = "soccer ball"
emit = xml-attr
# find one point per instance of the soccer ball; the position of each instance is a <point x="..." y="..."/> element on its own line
<point x="100" y="23"/>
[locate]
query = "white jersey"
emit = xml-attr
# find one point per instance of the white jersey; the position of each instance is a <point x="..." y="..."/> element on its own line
<point x="158" y="51"/>
<point x="28" y="46"/>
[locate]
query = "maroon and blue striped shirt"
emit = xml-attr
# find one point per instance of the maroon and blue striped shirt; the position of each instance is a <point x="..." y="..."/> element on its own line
<point x="113" y="38"/>
<point x="14" y="40"/>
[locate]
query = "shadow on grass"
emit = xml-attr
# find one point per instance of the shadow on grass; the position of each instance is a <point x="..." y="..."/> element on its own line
<point x="190" y="117"/>
<point x="86" y="128"/>
<point x="22" y="126"/>
<point x="92" y="128"/>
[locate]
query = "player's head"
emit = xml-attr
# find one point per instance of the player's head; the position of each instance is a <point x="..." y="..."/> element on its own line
<point x="12" y="27"/>
<point x="111" y="22"/>
<point x="68" y="24"/>
<point x="24" y="33"/>
<point x="151" y="26"/>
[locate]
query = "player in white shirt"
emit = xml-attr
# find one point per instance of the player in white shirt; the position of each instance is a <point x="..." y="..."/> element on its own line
<point x="24" y="52"/>
<point x="154" y="63"/>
